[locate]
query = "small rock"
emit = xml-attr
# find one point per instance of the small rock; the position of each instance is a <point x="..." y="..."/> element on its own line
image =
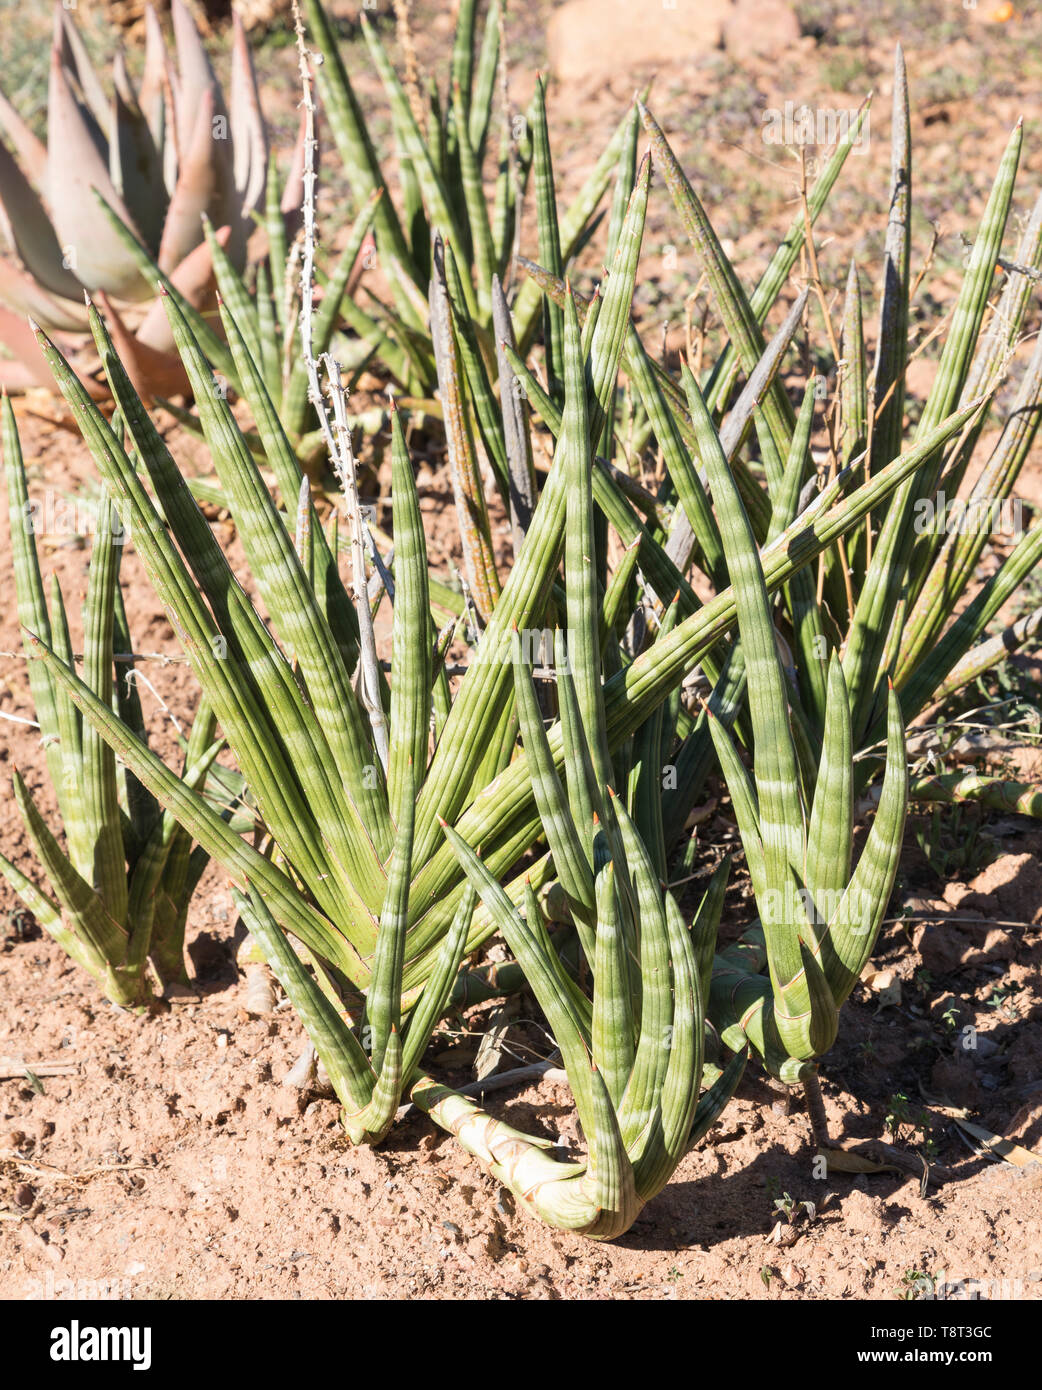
<point x="885" y="985"/>
<point x="992" y="12"/>
<point x="946" y="947"/>
<point x="1025" y="1059"/>
<point x="862" y="1213"/>
<point x="1010" y="888"/>
<point x="760" y="27"/>
<point x="24" y="1195"/>
<point x="602" y="39"/>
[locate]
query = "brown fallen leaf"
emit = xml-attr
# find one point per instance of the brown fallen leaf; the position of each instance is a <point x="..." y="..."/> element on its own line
<point x="847" y="1161"/>
<point x="1003" y="1148"/>
<point x="885" y="984"/>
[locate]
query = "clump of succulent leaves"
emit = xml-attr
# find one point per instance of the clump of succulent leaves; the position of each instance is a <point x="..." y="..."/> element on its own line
<point x="115" y="197"/>
<point x="891" y="623"/>
<point x="353" y="786"/>
<point x="409" y="818"/>
<point x="375" y="308"/>
<point x="118" y="890"/>
<point x="446" y="139"/>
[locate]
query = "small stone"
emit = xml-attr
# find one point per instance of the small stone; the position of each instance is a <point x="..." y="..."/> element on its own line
<point x="946" y="948"/>
<point x="591" y="40"/>
<point x="761" y="28"/>
<point x="862" y="1213"/>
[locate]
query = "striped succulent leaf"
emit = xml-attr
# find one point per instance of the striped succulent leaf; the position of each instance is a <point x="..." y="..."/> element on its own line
<point x="117" y="902"/>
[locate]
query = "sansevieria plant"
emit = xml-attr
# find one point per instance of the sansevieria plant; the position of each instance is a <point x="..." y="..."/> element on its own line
<point x="118" y="891"/>
<point x="818" y="920"/>
<point x="445" y="141"/>
<point x="819" y="688"/>
<point x="897" y="595"/>
<point x="633" y="1052"/>
<point x="342" y="776"/>
<point x="359" y="781"/>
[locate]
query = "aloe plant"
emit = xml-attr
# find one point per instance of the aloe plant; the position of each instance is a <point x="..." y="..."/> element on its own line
<point x="118" y="893"/>
<point x="152" y="159"/>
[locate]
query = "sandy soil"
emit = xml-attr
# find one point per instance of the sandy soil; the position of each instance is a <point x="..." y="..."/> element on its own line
<point x="172" y="1163"/>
